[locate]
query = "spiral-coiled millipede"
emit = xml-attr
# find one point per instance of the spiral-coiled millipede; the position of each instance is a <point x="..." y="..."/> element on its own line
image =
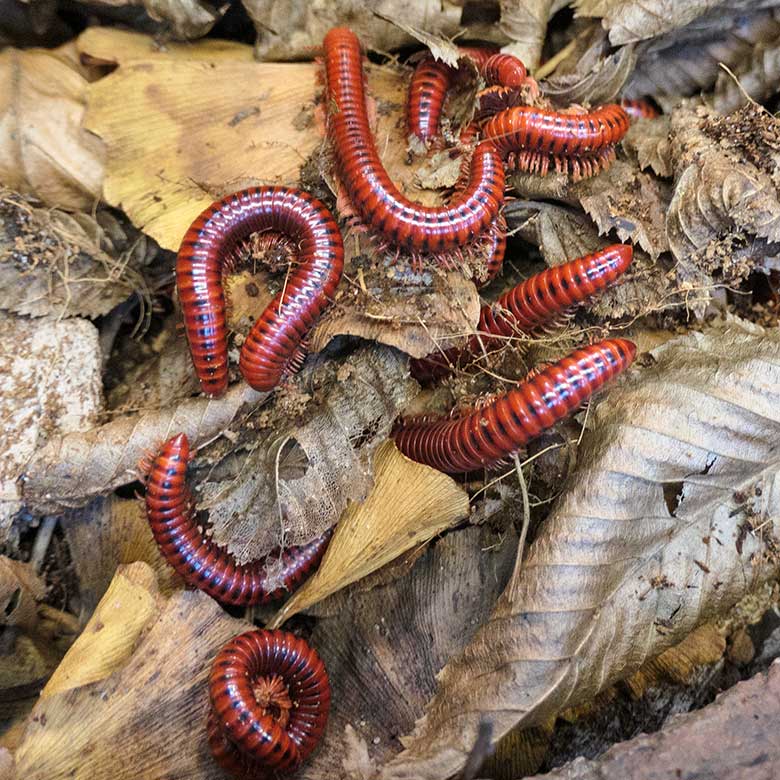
<point x="197" y="559"/>
<point x="491" y="433"/>
<point x="270" y="699"/>
<point x="373" y="195"/>
<point x="534" y="139"/>
<point x="537" y="301"/>
<point x="210" y="246"/>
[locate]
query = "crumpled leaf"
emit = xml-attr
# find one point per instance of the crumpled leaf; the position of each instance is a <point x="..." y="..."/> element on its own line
<point x="595" y="79"/>
<point x="44" y="151"/>
<point x="147" y="718"/>
<point x="384" y="638"/>
<point x="636" y="20"/>
<point x="688" y="59"/>
<point x="70" y="470"/>
<point x="525" y="23"/>
<point x="726" y="196"/>
<point x="669" y="521"/>
<point x="441" y="48"/>
<point x="408" y="505"/>
<point x="294" y="487"/>
<point x="630" y="202"/>
<point x="648" y="139"/>
<point x="181" y="18"/>
<point x="20" y="590"/>
<point x="52" y="265"/>
<point x="757" y="76"/>
<point x="51" y="387"/>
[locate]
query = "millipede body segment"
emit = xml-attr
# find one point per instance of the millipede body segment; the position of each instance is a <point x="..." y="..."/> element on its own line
<point x="270" y="699"/>
<point x="211" y="246"/>
<point x="378" y="201"/>
<point x="640" y="108"/>
<point x="199" y="561"/>
<point x="497" y="430"/>
<point x="533" y="139"/>
<point x="532" y="304"/>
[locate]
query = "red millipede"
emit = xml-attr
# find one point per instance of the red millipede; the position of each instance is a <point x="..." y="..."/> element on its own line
<point x="211" y="245"/>
<point x="374" y="196"/>
<point x="532" y="303"/>
<point x="196" y="558"/>
<point x="489" y="434"/>
<point x="530" y="139"/>
<point x="640" y="108"/>
<point x="270" y="699"/>
<point x="505" y="70"/>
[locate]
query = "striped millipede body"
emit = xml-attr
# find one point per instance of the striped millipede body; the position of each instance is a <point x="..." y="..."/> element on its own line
<point x="270" y="699"/>
<point x="639" y="108"/>
<point x="537" y="301"/>
<point x="377" y="200"/>
<point x="199" y="561"/>
<point x="488" y="435"/>
<point x="211" y="245"/>
<point x="532" y="139"/>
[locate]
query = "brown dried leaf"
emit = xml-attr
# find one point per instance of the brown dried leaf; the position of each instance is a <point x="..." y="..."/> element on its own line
<point x="20" y="591"/>
<point x="44" y="151"/>
<point x="647" y="541"/>
<point x="334" y="445"/>
<point x="384" y="638"/>
<point x="687" y="60"/>
<point x="441" y="48"/>
<point x="407" y="506"/>
<point x="648" y="140"/>
<point x="630" y="202"/>
<point x="525" y="23"/>
<point x="69" y="470"/>
<point x="51" y="387"/>
<point x="757" y="76"/>
<point x="147" y="718"/>
<point x="181" y="18"/>
<point x="50" y="265"/>
<point x="725" y="197"/>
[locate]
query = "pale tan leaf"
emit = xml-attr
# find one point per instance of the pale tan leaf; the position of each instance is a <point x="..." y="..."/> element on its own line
<point x="441" y="48"/>
<point x="50" y="265"/>
<point x="69" y="470"/>
<point x="51" y="387"/>
<point x="648" y="540"/>
<point x="687" y="60"/>
<point x="758" y="77"/>
<point x="408" y="505"/>
<point x="129" y="605"/>
<point x="147" y="718"/>
<point x="629" y="202"/>
<point x="294" y="484"/>
<point x="44" y="151"/>
<point x="648" y="139"/>
<point x="524" y="22"/>
<point x="725" y="205"/>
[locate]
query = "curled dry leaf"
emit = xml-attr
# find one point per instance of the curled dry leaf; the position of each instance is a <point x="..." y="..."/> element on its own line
<point x="687" y="60"/>
<point x="44" y="150"/>
<point x="407" y="506"/>
<point x="50" y="265"/>
<point x="525" y="23"/>
<point x="669" y="520"/>
<point x="648" y="140"/>
<point x="73" y="468"/>
<point x="20" y="591"/>
<point x="384" y="638"/>
<point x="757" y="77"/>
<point x="726" y="196"/>
<point x="294" y="30"/>
<point x="146" y="719"/>
<point x="313" y="467"/>
<point x="595" y="79"/>
<point x="51" y="387"/>
<point x="105" y="534"/>
<point x="180" y="18"/>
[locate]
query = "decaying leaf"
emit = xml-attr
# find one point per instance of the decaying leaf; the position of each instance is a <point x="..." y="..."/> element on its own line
<point x="51" y="387"/>
<point x="71" y="469"/>
<point x="384" y="638"/>
<point x="180" y="18"/>
<point x="408" y="505"/>
<point x="525" y="23"/>
<point x="20" y="590"/>
<point x="312" y="467"/>
<point x="688" y="59"/>
<point x="648" y="139"/>
<point x="51" y="264"/>
<point x="756" y="77"/>
<point x="725" y="206"/>
<point x="669" y="520"/>
<point x="147" y="718"/>
<point x="44" y="151"/>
